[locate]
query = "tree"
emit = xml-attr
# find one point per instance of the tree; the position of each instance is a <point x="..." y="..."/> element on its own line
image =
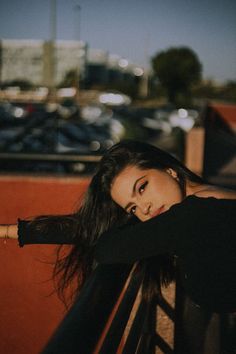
<point x="177" y="69"/>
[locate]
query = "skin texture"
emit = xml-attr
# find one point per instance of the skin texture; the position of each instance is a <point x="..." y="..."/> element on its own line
<point x="146" y="193"/>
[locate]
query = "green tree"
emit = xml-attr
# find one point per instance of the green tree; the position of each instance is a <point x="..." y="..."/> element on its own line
<point x="177" y="70"/>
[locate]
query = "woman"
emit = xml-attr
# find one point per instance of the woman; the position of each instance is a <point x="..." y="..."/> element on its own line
<point x="183" y="220"/>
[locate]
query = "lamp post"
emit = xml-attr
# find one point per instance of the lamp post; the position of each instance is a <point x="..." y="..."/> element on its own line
<point x="77" y="37"/>
<point x="53" y="20"/>
<point x="77" y="21"/>
<point x="52" y="43"/>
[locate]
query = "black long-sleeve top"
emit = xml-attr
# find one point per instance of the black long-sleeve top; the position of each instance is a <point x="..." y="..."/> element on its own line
<point x="201" y="232"/>
<point x="59" y="230"/>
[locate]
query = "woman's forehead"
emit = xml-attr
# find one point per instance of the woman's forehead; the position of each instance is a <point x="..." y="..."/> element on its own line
<point x="123" y="183"/>
<point x="128" y="174"/>
<point x="121" y="187"/>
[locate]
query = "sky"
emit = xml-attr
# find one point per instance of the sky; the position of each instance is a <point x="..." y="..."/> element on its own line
<point x="134" y="29"/>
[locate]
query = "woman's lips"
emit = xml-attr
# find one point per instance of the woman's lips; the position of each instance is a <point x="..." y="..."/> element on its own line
<point x="158" y="211"/>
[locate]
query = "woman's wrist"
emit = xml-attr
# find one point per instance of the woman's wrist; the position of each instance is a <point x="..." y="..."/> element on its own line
<point x="8" y="231"/>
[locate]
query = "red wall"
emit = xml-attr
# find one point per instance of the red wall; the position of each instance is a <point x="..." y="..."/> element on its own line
<point x="28" y="316"/>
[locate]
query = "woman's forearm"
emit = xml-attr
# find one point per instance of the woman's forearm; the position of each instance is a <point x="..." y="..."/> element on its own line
<point x="52" y="229"/>
<point x="9" y="231"/>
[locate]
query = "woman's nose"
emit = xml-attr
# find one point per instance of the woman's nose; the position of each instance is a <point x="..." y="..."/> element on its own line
<point x="145" y="208"/>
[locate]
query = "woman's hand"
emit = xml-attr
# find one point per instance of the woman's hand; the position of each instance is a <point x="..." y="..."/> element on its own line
<point x="9" y="231"/>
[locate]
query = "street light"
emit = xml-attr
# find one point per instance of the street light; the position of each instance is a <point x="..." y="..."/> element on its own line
<point x="77" y="37"/>
<point x="53" y="20"/>
<point x="51" y="51"/>
<point x="77" y="21"/>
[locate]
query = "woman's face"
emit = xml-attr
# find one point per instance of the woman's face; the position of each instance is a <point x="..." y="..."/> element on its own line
<point x="146" y="193"/>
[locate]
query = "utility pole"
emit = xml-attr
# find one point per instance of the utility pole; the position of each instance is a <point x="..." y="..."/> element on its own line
<point x="51" y="47"/>
<point x="77" y="22"/>
<point x="77" y="36"/>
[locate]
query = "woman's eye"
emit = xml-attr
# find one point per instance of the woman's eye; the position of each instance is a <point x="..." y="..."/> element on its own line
<point x="133" y="210"/>
<point x="142" y="187"/>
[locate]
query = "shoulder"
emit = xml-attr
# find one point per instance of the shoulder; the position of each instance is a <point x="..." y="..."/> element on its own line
<point x="208" y="214"/>
<point x="215" y="192"/>
<point x="211" y="204"/>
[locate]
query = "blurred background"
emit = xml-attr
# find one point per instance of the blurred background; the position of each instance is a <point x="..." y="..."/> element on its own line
<point x="78" y="76"/>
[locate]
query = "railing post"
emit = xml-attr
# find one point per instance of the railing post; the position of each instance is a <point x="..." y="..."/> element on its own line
<point x="179" y="307"/>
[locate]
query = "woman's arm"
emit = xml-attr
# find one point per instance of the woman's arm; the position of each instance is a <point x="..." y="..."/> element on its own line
<point x="172" y="232"/>
<point x="59" y="229"/>
<point x="130" y="243"/>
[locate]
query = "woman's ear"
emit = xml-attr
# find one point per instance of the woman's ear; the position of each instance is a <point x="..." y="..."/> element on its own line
<point x="172" y="173"/>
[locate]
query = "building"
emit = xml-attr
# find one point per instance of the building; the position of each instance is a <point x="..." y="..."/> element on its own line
<point x="41" y="62"/>
<point x="96" y="70"/>
<point x="22" y="60"/>
<point x="70" y="55"/>
<point x="46" y="63"/>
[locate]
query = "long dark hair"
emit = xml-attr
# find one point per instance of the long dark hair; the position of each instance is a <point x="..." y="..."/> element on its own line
<point x="99" y="212"/>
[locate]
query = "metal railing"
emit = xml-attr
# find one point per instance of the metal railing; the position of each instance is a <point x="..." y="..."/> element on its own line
<point x="44" y="163"/>
<point x="110" y="316"/>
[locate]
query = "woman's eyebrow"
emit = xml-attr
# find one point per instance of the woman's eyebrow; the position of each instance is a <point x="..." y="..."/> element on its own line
<point x="133" y="191"/>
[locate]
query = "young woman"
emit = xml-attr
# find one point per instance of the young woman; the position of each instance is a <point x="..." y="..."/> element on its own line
<point x="148" y="206"/>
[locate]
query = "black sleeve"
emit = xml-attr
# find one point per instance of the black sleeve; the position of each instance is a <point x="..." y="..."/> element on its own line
<point x="130" y="243"/>
<point x="59" y="229"/>
<point x="193" y="221"/>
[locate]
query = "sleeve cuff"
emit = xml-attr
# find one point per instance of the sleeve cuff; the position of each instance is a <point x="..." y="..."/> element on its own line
<point x="22" y="232"/>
